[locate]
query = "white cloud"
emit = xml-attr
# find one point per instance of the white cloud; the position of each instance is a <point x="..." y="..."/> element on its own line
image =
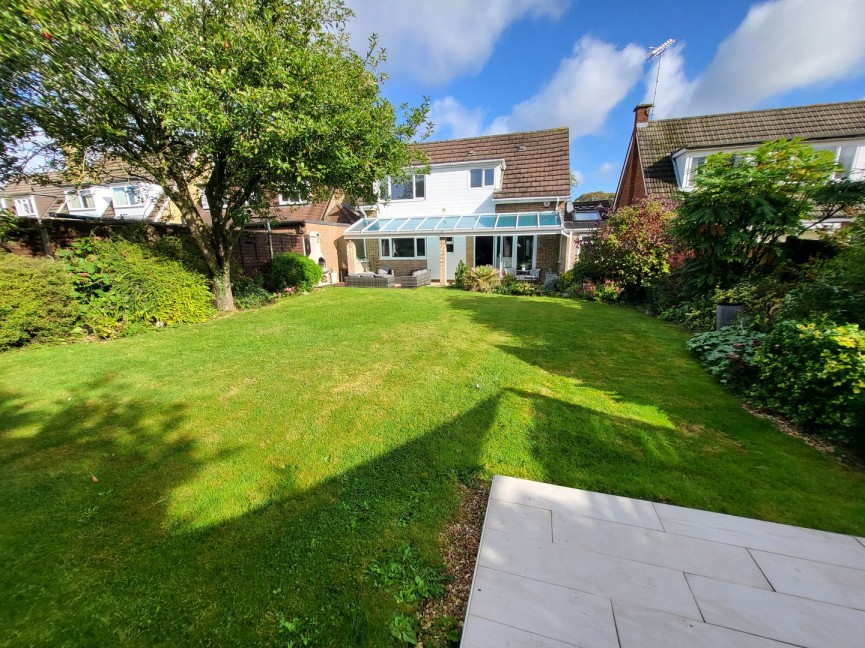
<point x="586" y="86"/>
<point x="781" y="45"/>
<point x="578" y="177"/>
<point x="440" y="40"/>
<point x="583" y="90"/>
<point x="606" y="168"/>
<point x="459" y="120"/>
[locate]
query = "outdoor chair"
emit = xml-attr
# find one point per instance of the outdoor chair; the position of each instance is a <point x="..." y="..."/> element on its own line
<point x="382" y="279"/>
<point x="416" y="279"/>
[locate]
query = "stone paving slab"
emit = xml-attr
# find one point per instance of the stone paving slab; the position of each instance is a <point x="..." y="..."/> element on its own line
<point x="564" y="567"/>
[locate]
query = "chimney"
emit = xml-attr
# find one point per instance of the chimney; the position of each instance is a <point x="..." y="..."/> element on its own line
<point x="642" y="114"/>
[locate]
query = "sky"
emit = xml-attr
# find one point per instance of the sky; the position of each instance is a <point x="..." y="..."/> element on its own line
<point x="496" y="66"/>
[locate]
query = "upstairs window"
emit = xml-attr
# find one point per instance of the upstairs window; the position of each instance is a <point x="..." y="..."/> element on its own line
<point x="846" y="157"/>
<point x="482" y="178"/>
<point x="25" y="206"/>
<point x="284" y="200"/>
<point x="411" y="188"/>
<point x="81" y="200"/>
<point x="693" y="164"/>
<point x="127" y="196"/>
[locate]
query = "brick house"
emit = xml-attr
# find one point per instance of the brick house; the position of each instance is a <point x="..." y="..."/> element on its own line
<point x="497" y="200"/>
<point x="664" y="154"/>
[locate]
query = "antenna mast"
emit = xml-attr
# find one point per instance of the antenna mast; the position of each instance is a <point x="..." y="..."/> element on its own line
<point x="658" y="53"/>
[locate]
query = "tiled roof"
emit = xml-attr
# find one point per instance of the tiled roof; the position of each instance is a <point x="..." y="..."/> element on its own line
<point x="658" y="140"/>
<point x="538" y="162"/>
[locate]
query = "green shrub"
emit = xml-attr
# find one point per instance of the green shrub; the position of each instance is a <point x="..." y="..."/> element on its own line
<point x="815" y="375"/>
<point x="835" y="290"/>
<point x="729" y="355"/>
<point x="460" y="275"/>
<point x="125" y="288"/>
<point x="37" y="301"/>
<point x="289" y="270"/>
<point x="510" y="285"/>
<point x="483" y="278"/>
<point x="250" y="293"/>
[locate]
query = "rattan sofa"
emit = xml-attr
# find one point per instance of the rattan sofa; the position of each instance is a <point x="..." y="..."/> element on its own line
<point x="369" y="280"/>
<point x="416" y="279"/>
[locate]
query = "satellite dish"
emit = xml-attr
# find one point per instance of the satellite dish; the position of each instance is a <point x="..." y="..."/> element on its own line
<point x="569" y="207"/>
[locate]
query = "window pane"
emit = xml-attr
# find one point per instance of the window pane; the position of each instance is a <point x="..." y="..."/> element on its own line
<point x="552" y="218"/>
<point x="403" y="247"/>
<point x="507" y="221"/>
<point x="489" y="177"/>
<point x="846" y="158"/>
<point x="449" y="244"/>
<point x="24" y="207"/>
<point x="419" y="186"/>
<point x="475" y="178"/>
<point x="359" y="249"/>
<point x="527" y="220"/>
<point x="421" y="247"/>
<point x="385" y="247"/>
<point x="87" y="201"/>
<point x="401" y="190"/>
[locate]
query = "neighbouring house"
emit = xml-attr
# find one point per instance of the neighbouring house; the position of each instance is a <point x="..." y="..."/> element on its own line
<point x="664" y="154"/>
<point x="311" y="229"/>
<point x="500" y="200"/>
<point x="118" y="194"/>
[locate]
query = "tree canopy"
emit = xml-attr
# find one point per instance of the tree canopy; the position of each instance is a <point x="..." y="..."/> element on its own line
<point x="240" y="99"/>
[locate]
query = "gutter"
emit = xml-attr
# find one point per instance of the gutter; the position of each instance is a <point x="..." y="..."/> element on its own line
<point x="529" y="199"/>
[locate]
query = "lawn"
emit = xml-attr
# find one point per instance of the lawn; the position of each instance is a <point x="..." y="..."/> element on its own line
<point x="259" y="475"/>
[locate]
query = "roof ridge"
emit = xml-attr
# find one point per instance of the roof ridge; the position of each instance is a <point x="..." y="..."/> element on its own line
<point x="759" y="110"/>
<point x="496" y="135"/>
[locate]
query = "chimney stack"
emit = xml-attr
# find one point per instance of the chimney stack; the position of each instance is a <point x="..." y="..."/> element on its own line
<point x="642" y="114"/>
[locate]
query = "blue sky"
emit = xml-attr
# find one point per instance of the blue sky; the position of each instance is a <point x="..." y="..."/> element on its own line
<point x="494" y="66"/>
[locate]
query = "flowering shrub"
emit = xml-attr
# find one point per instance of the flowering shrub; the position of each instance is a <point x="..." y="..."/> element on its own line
<point x="606" y="291"/>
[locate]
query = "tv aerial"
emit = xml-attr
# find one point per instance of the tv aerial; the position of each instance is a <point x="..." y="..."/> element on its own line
<point x="658" y="53"/>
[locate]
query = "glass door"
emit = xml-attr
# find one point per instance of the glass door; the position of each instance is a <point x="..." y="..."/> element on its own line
<point x="525" y="252"/>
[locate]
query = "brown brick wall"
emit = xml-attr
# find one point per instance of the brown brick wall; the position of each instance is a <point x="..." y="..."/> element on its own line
<point x="547" y="257"/>
<point x="470" y="252"/>
<point x="632" y="188"/>
<point x="511" y="208"/>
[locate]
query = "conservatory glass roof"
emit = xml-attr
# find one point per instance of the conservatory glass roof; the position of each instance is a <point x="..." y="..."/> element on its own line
<point x="474" y="224"/>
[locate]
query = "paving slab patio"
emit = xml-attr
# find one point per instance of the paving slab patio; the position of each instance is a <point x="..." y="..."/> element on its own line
<point x="561" y="567"/>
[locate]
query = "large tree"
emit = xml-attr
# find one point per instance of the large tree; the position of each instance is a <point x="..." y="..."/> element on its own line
<point x="240" y="99"/>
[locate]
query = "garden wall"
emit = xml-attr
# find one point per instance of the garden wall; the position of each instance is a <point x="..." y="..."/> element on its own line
<point x="252" y="252"/>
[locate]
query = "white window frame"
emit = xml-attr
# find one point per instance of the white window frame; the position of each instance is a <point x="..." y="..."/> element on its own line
<point x="84" y="193"/>
<point x="414" y="180"/>
<point x="123" y="190"/>
<point x="285" y="202"/>
<point x="29" y="200"/>
<point x="390" y="247"/>
<point x="484" y="184"/>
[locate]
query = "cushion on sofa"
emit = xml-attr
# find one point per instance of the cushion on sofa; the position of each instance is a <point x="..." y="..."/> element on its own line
<point x="418" y="273"/>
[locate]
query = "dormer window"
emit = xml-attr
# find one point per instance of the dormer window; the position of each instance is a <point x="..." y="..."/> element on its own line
<point x="694" y="163"/>
<point x="283" y="200"/>
<point x="127" y="196"/>
<point x="80" y="200"/>
<point x="412" y="188"/>
<point x="25" y="206"/>
<point x="479" y="178"/>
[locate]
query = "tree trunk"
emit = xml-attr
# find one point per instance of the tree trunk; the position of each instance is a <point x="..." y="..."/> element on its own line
<point x="221" y="285"/>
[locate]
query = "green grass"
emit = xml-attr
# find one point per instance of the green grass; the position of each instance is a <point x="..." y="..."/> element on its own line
<point x="258" y="473"/>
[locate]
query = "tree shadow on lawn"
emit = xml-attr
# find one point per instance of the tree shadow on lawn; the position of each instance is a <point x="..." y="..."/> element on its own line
<point x="676" y="434"/>
<point x="105" y="563"/>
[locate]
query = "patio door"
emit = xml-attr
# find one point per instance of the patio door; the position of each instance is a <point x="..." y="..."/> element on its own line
<point x="515" y="252"/>
<point x="525" y="252"/>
